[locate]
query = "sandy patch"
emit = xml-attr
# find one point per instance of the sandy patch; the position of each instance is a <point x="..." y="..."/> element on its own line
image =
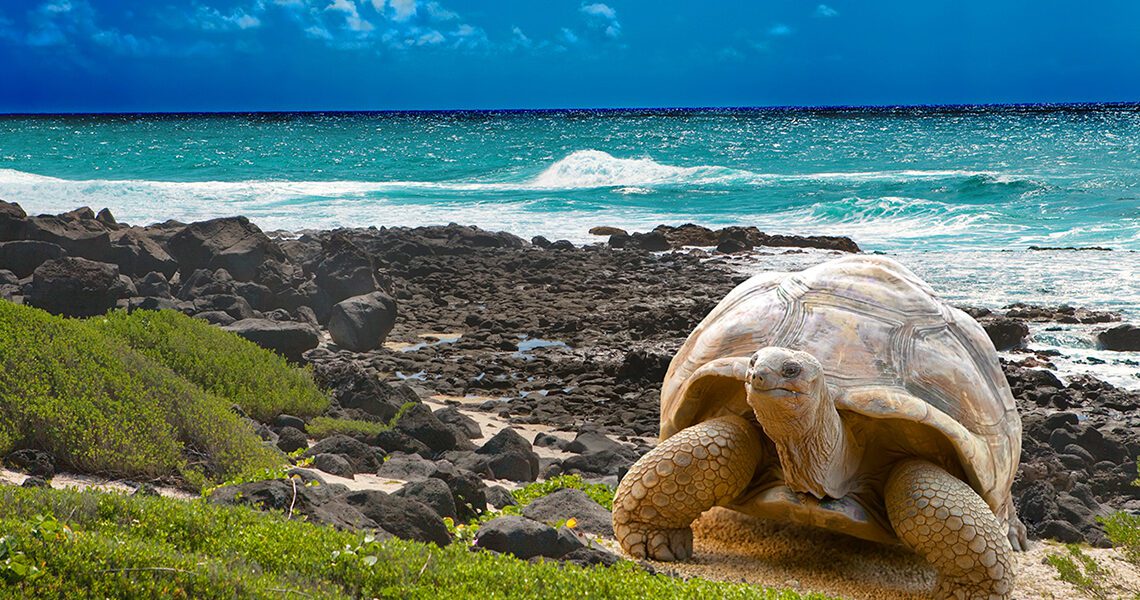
<point x="733" y="547"/>
<point x="63" y="481"/>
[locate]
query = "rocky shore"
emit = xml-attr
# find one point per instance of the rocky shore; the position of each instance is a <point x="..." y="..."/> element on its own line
<point x="433" y="326"/>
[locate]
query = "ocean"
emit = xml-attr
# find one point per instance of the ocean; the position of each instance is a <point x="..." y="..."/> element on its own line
<point x="959" y="194"/>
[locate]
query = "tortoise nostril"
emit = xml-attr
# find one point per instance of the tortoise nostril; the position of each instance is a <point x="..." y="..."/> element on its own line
<point x="791" y="369"/>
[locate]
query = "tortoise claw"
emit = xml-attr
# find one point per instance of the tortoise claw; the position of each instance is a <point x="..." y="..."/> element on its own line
<point x="666" y="545"/>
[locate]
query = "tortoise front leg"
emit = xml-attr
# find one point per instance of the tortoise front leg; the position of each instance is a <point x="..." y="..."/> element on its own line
<point x="705" y="465"/>
<point x="943" y="520"/>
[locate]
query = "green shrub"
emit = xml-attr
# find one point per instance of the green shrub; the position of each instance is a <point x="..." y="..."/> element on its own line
<point x="262" y="383"/>
<point x="1123" y="531"/>
<point x="323" y="427"/>
<point x="600" y="493"/>
<point x="110" y="545"/>
<point x="100" y="407"/>
<point x="1080" y="570"/>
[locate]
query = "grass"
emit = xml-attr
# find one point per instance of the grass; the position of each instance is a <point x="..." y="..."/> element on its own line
<point x="262" y="383"/>
<point x="600" y="493"/>
<point x="100" y="407"/>
<point x="66" y="544"/>
<point x="1085" y="573"/>
<point x="323" y="427"/>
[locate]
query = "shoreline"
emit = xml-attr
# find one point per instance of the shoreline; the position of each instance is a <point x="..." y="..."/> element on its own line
<point x="547" y="334"/>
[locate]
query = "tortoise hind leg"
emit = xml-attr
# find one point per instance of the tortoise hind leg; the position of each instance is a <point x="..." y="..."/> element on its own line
<point x="699" y="467"/>
<point x="947" y="523"/>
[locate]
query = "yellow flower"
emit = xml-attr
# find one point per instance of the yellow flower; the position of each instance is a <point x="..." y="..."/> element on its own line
<point x="571" y="522"/>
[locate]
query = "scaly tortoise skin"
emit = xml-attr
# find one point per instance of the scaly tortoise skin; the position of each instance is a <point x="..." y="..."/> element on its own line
<point x="848" y="397"/>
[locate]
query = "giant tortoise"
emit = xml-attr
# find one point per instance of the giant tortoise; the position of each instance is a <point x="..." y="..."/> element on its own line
<point x="847" y="396"/>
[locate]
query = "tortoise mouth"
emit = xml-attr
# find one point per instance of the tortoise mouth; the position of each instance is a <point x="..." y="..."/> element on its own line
<point x="778" y="392"/>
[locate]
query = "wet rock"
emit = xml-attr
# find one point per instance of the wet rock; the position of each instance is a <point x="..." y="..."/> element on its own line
<point x="80" y="238"/>
<point x="591" y="556"/>
<point x="136" y="254"/>
<point x="605" y="230"/>
<point x="732" y="246"/>
<point x="334" y="464"/>
<point x="1006" y="333"/>
<point x="290" y="340"/>
<point x="205" y="282"/>
<point x="404" y="518"/>
<point x="354" y="388"/>
<point x="364" y="459"/>
<point x="547" y="440"/>
<point x="154" y="284"/>
<point x="510" y="456"/>
<point x="76" y="287"/>
<point x="524" y="538"/>
<point x="345" y="270"/>
<point x="499" y="497"/>
<point x="32" y="462"/>
<point x="1058" y="314"/>
<point x="105" y="217"/>
<point x="570" y="503"/>
<point x="290" y="439"/>
<point x="432" y="492"/>
<point x="398" y="441"/>
<point x="362" y="323"/>
<point x="284" y="420"/>
<point x="588" y="442"/>
<point x="320" y="504"/>
<point x="420" y="423"/>
<point x="216" y="317"/>
<point x="1122" y="338"/>
<point x="654" y="241"/>
<point x="605" y="462"/>
<point x="452" y="416"/>
<point x="230" y="243"/>
<point x="12" y="221"/>
<point x="22" y="257"/>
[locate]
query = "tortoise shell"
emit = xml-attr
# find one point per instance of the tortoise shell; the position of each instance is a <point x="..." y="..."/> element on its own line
<point x="891" y="350"/>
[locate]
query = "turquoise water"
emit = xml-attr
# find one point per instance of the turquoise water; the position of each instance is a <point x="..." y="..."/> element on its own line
<point x="894" y="180"/>
<point x="957" y="195"/>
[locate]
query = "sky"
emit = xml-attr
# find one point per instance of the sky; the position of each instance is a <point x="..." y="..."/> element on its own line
<point x="250" y="55"/>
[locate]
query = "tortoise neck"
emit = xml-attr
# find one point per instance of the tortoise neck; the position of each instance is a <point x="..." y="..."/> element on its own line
<point x="818" y="455"/>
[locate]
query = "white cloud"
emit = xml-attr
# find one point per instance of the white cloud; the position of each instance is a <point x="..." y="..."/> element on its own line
<point x="211" y="19"/>
<point x="779" y="30"/>
<point x="569" y="36"/>
<point x="600" y="10"/>
<point x="602" y="20"/>
<point x="430" y="38"/>
<point x="824" y="10"/>
<point x="352" y="18"/>
<point x="318" y="32"/>
<point x="403" y="9"/>
<point x="519" y="38"/>
<point x="439" y="13"/>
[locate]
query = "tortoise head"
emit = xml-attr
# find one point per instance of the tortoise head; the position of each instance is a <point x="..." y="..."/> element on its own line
<point x="786" y="389"/>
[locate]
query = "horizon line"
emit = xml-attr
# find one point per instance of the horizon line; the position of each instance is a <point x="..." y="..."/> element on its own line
<point x="1043" y="106"/>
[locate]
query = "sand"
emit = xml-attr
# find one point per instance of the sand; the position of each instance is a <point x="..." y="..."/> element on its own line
<point x="733" y="547"/>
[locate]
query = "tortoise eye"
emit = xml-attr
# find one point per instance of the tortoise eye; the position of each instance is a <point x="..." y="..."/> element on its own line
<point x="791" y="370"/>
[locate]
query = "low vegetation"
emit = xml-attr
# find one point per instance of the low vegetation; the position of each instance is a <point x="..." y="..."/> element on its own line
<point x="323" y="427"/>
<point x="67" y="544"/>
<point x="1090" y="577"/>
<point x="100" y="407"/>
<point x="262" y="383"/>
<point x="600" y="493"/>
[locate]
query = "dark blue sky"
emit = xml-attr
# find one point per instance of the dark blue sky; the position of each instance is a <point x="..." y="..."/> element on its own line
<point x="165" y="55"/>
